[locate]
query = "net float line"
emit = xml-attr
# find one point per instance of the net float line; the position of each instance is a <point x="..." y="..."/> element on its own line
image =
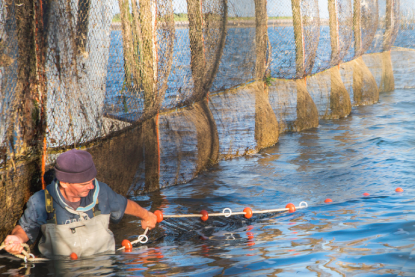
<point x="227" y="212"/>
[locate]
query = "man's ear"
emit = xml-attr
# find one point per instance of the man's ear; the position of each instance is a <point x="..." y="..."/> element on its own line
<point x="64" y="185"/>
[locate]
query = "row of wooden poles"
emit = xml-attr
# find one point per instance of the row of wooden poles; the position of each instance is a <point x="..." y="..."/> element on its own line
<point x="141" y="58"/>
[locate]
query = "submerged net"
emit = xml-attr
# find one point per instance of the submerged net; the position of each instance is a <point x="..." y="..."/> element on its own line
<point x="158" y="90"/>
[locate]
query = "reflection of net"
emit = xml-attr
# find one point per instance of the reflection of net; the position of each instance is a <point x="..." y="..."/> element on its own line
<point x="181" y="84"/>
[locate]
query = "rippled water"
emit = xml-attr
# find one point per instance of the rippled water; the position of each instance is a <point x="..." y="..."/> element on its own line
<point x="373" y="151"/>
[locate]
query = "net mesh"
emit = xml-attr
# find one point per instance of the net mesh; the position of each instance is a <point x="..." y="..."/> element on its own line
<point x="158" y="90"/>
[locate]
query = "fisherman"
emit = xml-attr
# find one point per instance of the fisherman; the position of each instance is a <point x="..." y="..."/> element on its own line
<point x="73" y="212"/>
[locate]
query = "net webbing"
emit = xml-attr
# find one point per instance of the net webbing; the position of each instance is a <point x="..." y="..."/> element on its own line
<point x="158" y="90"/>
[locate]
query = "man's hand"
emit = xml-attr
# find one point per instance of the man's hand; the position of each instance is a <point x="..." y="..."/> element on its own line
<point x="148" y="219"/>
<point x="149" y="222"/>
<point x="13" y="244"/>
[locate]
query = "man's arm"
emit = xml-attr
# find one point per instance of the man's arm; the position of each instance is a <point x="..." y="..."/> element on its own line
<point x="148" y="219"/>
<point x="13" y="242"/>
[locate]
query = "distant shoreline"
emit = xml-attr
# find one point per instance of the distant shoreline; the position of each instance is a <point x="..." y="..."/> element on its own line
<point x="232" y="23"/>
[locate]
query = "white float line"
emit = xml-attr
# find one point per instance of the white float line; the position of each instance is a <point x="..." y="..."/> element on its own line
<point x="227" y="214"/>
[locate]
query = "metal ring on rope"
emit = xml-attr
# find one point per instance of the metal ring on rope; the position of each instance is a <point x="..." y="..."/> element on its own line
<point x="227" y="214"/>
<point x="30" y="256"/>
<point x="305" y="204"/>
<point x="32" y="265"/>
<point x="141" y="237"/>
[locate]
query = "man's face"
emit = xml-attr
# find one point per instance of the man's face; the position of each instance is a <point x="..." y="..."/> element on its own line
<point x="78" y="189"/>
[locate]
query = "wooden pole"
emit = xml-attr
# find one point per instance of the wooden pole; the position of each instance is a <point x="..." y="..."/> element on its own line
<point x="198" y="58"/>
<point x="389" y="25"/>
<point x="127" y="43"/>
<point x="261" y="37"/>
<point x="148" y="55"/>
<point x="299" y="38"/>
<point x="357" y="26"/>
<point x="334" y="32"/>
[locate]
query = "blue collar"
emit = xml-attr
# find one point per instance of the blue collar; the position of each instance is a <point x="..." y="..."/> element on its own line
<point x="80" y="209"/>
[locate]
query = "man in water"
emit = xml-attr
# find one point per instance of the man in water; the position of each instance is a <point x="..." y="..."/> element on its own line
<point x="73" y="212"/>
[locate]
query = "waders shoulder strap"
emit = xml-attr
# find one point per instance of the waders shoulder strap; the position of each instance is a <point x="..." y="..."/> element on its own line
<point x="49" y="208"/>
<point x="95" y="209"/>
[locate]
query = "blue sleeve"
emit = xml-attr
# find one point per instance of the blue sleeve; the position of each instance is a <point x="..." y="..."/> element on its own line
<point x="34" y="216"/>
<point x="113" y="202"/>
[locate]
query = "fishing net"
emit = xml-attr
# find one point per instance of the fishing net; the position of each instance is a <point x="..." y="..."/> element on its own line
<point x="159" y="90"/>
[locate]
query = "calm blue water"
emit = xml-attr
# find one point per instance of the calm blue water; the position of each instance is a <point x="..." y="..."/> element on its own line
<point x="372" y="150"/>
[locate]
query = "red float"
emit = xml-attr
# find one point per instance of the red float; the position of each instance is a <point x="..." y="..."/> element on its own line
<point x="204" y="216"/>
<point x="248" y="212"/>
<point x="290" y="207"/>
<point x="328" y="200"/>
<point x="366" y="194"/>
<point x="73" y="256"/>
<point x="127" y="244"/>
<point x="159" y="215"/>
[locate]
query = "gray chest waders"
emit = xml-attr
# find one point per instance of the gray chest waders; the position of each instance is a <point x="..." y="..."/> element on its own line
<point x="84" y="237"/>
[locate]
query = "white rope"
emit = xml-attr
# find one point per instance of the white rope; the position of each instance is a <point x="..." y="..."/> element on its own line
<point x="27" y="256"/>
<point x="227" y="212"/>
<point x="141" y="239"/>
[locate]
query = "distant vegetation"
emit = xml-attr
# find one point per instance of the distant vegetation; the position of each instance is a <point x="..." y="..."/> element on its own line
<point x="182" y="17"/>
<point x="253" y="18"/>
<point x="116" y="18"/>
<point x="279" y="17"/>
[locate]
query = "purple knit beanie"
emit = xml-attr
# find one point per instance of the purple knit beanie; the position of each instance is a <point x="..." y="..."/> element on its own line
<point x="75" y="166"/>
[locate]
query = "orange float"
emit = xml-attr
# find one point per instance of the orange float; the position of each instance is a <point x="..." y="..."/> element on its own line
<point x="328" y="200"/>
<point x="248" y="212"/>
<point x="159" y="215"/>
<point x="290" y="207"/>
<point x="399" y="190"/>
<point x="204" y="216"/>
<point x="366" y="194"/>
<point x="127" y="244"/>
<point x="73" y="256"/>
